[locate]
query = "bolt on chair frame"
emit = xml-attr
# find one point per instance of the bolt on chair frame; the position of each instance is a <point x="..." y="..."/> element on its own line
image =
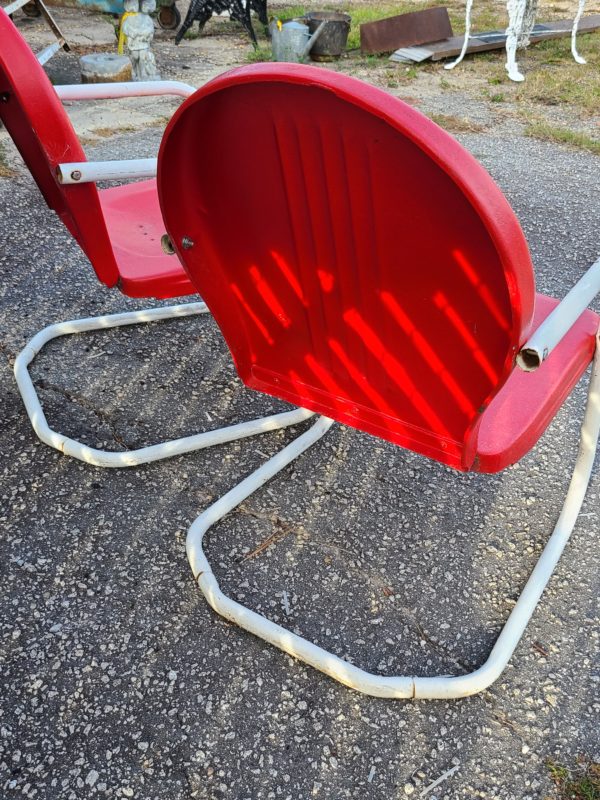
<point x="306" y="314"/>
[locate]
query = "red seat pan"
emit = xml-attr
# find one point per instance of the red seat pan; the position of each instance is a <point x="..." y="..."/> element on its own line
<point x="359" y="261"/>
<point x="528" y="401"/>
<point x="135" y="227"/>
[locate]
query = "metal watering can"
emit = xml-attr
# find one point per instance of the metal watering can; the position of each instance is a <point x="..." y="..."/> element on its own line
<point x="292" y="40"/>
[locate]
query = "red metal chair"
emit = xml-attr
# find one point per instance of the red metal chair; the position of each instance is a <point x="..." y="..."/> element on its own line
<point x="378" y="277"/>
<point x="119" y="229"/>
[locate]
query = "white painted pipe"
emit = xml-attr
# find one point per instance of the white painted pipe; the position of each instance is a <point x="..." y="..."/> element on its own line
<point x="560" y="321"/>
<point x="46" y="54"/>
<point x="402" y="686"/>
<point x="92" y="171"/>
<point x="109" y="91"/>
<point x="15" y="6"/>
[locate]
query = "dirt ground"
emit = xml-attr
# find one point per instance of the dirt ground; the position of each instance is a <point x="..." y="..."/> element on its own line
<point x="477" y="91"/>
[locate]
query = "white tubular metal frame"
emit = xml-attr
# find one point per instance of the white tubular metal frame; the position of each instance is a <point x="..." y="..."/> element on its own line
<point x="131" y="458"/>
<point x="92" y="171"/>
<point x="560" y="321"/>
<point x="442" y="687"/>
<point x="112" y="91"/>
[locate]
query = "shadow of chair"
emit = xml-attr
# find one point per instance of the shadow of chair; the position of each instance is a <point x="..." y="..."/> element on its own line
<point x="119" y="229"/>
<point x="379" y="278"/>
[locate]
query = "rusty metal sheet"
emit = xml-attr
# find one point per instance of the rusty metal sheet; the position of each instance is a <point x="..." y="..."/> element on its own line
<point x="405" y="30"/>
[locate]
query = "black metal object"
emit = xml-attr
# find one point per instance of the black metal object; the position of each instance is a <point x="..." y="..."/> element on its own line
<point x="202" y="10"/>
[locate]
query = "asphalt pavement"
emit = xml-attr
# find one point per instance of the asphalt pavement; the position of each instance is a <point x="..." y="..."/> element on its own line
<point x="118" y="680"/>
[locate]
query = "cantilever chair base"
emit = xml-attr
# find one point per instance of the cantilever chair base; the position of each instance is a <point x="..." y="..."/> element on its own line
<point x="130" y="458"/>
<point x="442" y="687"/>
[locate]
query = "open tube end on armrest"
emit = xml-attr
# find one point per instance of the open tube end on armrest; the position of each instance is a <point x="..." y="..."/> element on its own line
<point x="529" y="359"/>
<point x="560" y="321"/>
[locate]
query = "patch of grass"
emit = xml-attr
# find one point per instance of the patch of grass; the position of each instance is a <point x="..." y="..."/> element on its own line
<point x="551" y="75"/>
<point x="454" y="124"/>
<point x="580" y="783"/>
<point x="497" y="97"/>
<point x="159" y="122"/>
<point x="105" y="133"/>
<point x="486" y="15"/>
<point x="193" y="33"/>
<point x="553" y="78"/>
<point x="554" y="133"/>
<point x="371" y="60"/>
<point x="294" y="12"/>
<point x="362" y="14"/>
<point x="6" y="171"/>
<point x="259" y="54"/>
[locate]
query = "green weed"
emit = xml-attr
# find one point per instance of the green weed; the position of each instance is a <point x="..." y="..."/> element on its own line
<point x="580" y="783"/>
<point x="6" y="171"/>
<point x="553" y="133"/>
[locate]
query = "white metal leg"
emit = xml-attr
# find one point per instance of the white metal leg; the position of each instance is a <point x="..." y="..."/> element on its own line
<point x="130" y="458"/>
<point x="466" y="39"/>
<point x="580" y="8"/>
<point x="516" y="13"/>
<point x="443" y="687"/>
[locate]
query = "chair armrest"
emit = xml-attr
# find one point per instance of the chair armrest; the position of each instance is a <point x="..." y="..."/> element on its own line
<point x="92" y="171"/>
<point x="110" y="91"/>
<point x="560" y="321"/>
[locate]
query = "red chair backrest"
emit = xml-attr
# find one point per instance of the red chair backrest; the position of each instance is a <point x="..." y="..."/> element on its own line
<point x="358" y="261"/>
<point x="38" y="125"/>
